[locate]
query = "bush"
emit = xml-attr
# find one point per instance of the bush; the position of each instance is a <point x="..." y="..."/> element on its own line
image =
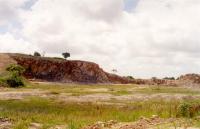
<point x="188" y="109"/>
<point x="169" y="78"/>
<point x="2" y="82"/>
<point x="184" y="109"/>
<point x="15" y="69"/>
<point x="36" y="54"/>
<point x="14" y="79"/>
<point x="130" y="77"/>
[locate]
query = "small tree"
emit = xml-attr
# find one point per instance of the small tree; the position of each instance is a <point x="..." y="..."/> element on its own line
<point x="37" y="54"/>
<point x="154" y="78"/>
<point x="114" y="70"/>
<point x="15" y="81"/>
<point x="130" y="77"/>
<point x="66" y="55"/>
<point x="169" y="78"/>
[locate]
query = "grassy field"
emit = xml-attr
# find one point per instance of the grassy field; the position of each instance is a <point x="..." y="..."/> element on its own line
<point x="50" y="112"/>
<point x="113" y="89"/>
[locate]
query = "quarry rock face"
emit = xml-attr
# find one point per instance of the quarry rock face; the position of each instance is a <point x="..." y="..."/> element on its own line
<point x="195" y="78"/>
<point x="189" y="80"/>
<point x="162" y="82"/>
<point x="60" y="70"/>
<point x="69" y="71"/>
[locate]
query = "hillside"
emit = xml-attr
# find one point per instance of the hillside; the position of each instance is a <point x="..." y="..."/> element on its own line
<point x="5" y="60"/>
<point x="76" y="71"/>
<point x="154" y="103"/>
<point x="60" y="70"/>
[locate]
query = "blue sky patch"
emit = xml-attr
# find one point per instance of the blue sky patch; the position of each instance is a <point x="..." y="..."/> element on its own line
<point x="130" y="4"/>
<point x="3" y="29"/>
<point x="27" y="5"/>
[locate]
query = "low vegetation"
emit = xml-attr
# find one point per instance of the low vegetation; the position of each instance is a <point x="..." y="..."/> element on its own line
<point x="54" y="109"/>
<point x="14" y="76"/>
<point x="50" y="113"/>
<point x="112" y="89"/>
<point x="189" y="109"/>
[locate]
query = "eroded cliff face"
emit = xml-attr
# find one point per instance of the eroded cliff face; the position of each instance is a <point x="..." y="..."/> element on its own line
<point x="195" y="78"/>
<point x="60" y="70"/>
<point x="189" y="80"/>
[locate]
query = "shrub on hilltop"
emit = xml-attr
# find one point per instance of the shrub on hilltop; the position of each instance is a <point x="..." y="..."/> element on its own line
<point x="66" y="55"/>
<point x="169" y="78"/>
<point x="37" y="54"/>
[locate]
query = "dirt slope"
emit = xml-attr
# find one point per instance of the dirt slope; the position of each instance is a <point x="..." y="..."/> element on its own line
<point x="5" y="60"/>
<point x="60" y="70"/>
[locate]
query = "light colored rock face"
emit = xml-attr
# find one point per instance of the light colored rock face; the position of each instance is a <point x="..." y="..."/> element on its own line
<point x="195" y="78"/>
<point x="61" y="70"/>
<point x="5" y="60"/>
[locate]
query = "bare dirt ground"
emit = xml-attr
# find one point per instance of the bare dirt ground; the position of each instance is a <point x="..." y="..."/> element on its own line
<point x="5" y="60"/>
<point x="18" y="95"/>
<point x="105" y="98"/>
<point x="102" y="98"/>
<point x="5" y="123"/>
<point x="144" y="123"/>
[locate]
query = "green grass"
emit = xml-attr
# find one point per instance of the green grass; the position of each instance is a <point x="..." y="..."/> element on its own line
<point x="78" y="90"/>
<point x="164" y="89"/>
<point x="121" y="92"/>
<point x="49" y="112"/>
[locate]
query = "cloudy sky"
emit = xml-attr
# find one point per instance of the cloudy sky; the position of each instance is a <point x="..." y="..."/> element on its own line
<point x="142" y="38"/>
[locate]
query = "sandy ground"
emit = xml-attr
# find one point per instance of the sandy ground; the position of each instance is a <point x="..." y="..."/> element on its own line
<point x="101" y="97"/>
<point x="95" y="97"/>
<point x="17" y="95"/>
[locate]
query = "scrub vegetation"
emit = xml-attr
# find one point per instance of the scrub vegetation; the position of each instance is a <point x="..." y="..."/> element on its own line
<point x="53" y="111"/>
<point x="13" y="76"/>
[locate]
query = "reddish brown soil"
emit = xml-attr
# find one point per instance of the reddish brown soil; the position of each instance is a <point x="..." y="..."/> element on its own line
<point x="60" y="70"/>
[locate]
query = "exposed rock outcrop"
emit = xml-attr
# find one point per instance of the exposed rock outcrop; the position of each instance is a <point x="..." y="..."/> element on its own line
<point x="194" y="78"/>
<point x="60" y="70"/>
<point x="189" y="80"/>
<point x="184" y="80"/>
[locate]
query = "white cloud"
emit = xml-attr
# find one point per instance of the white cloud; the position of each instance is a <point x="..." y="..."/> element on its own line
<point x="11" y="41"/>
<point x="159" y="38"/>
<point x="11" y="44"/>
<point x="77" y="28"/>
<point x="9" y="11"/>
